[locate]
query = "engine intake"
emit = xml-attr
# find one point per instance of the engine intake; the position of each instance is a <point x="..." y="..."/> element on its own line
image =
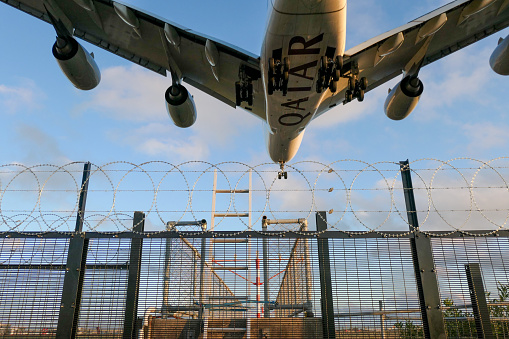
<point x="76" y="63"/>
<point x="403" y="98"/>
<point x="180" y="106"/>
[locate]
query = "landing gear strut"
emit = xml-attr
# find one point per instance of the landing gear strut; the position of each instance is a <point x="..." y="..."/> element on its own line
<point x="356" y="86"/>
<point x="282" y="173"/>
<point x="278" y="76"/>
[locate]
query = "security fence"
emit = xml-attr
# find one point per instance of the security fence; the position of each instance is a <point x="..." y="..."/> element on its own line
<point x="309" y="277"/>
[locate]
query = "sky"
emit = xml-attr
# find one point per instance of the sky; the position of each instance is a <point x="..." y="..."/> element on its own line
<point x="45" y="120"/>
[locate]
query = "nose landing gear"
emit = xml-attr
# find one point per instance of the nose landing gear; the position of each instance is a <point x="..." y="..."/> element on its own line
<point x="282" y="173"/>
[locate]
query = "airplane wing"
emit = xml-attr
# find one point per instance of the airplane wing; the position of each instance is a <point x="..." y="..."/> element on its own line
<point x="158" y="45"/>
<point x="421" y="42"/>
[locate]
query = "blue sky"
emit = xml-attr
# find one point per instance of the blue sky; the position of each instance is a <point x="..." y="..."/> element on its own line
<point x="44" y="119"/>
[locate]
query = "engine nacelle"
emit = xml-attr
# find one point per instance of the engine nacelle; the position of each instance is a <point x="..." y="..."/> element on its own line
<point x="76" y="63"/>
<point x="403" y="98"/>
<point x="499" y="60"/>
<point x="180" y="106"/>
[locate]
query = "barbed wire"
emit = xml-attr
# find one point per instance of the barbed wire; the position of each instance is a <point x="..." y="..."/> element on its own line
<point x="457" y="195"/>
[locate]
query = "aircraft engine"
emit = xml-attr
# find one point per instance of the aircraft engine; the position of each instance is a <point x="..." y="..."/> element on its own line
<point x="76" y="63"/>
<point x="403" y="98"/>
<point x="499" y="60"/>
<point x="180" y="106"/>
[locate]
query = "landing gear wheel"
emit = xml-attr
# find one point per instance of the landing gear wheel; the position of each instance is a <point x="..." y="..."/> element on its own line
<point x="348" y="96"/>
<point x="272" y="65"/>
<point x="336" y="75"/>
<point x="339" y="62"/>
<point x="360" y="95"/>
<point x="286" y="65"/>
<point x="238" y="99"/>
<point x="323" y="64"/>
<point x="318" y="87"/>
<point x="333" y="86"/>
<point x="270" y="86"/>
<point x="250" y="94"/>
<point x="363" y="83"/>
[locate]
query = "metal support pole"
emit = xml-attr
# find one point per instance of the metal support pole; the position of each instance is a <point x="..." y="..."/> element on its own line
<point x="309" y="284"/>
<point x="75" y="269"/>
<point x="133" y="280"/>
<point x="266" y="309"/>
<point x="329" y="329"/>
<point x="424" y="267"/>
<point x="202" y="271"/>
<point x="479" y="304"/>
<point x="382" y="319"/>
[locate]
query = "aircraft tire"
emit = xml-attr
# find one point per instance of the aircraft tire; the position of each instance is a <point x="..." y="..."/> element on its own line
<point x="238" y="99"/>
<point x="364" y="83"/>
<point x="333" y="86"/>
<point x="360" y="96"/>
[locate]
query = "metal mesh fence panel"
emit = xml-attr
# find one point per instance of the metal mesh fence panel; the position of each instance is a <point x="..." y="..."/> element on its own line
<point x="451" y="255"/>
<point x="182" y="294"/>
<point x="31" y="278"/>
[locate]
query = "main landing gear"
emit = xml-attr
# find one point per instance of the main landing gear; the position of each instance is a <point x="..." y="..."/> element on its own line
<point x="244" y="88"/>
<point x="329" y="74"/>
<point x="282" y="173"/>
<point x="356" y="86"/>
<point x="278" y="75"/>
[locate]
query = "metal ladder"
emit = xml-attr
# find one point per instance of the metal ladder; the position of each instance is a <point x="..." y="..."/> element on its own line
<point x="235" y="267"/>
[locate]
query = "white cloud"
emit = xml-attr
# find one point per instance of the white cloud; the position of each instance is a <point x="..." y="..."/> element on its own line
<point x="485" y="135"/>
<point x="130" y="93"/>
<point x="135" y="96"/>
<point x="25" y="96"/>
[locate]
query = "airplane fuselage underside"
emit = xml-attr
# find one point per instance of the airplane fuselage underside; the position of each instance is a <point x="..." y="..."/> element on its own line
<point x="299" y="34"/>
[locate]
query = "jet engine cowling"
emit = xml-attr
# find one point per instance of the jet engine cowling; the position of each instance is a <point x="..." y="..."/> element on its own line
<point x="180" y="106"/>
<point x="76" y="63"/>
<point x="403" y="98"/>
<point x="499" y="60"/>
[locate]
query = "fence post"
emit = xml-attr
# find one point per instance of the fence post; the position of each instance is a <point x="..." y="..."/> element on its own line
<point x="75" y="269"/>
<point x="327" y="303"/>
<point x="266" y="309"/>
<point x="479" y="304"/>
<point x="133" y="280"/>
<point x="424" y="267"/>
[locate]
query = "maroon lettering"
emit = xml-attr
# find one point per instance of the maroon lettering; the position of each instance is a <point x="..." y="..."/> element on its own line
<point x="304" y="68"/>
<point x="295" y="104"/>
<point x="283" y="120"/>
<point x="306" y="45"/>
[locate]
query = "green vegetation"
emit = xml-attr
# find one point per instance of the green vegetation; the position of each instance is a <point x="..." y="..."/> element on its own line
<point x="460" y="324"/>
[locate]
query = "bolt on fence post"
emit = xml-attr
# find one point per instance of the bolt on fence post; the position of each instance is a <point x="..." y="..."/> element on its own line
<point x="327" y="303"/>
<point x="424" y="267"/>
<point x="75" y="269"/>
<point x="133" y="279"/>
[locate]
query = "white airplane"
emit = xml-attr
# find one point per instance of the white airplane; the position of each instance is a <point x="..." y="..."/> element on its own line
<point x="303" y="69"/>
